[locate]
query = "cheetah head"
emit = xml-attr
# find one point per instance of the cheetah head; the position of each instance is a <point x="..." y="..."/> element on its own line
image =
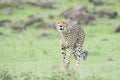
<point x="62" y="25"/>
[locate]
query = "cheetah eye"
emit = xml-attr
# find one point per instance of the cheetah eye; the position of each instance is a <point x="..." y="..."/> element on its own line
<point x="63" y="22"/>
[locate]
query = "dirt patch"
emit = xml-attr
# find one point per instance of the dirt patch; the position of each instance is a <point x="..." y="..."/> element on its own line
<point x="7" y="11"/>
<point x="117" y="28"/>
<point x="17" y="3"/>
<point x="78" y="13"/>
<point x="105" y="13"/>
<point x="96" y="2"/>
<point x="4" y="22"/>
<point x="42" y="4"/>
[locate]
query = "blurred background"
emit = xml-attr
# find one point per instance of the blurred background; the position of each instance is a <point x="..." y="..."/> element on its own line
<point x="29" y="43"/>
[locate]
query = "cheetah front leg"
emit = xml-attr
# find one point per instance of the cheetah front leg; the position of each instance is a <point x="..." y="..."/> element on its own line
<point x="71" y="51"/>
<point x="77" y="66"/>
<point x="78" y="55"/>
<point x="63" y="51"/>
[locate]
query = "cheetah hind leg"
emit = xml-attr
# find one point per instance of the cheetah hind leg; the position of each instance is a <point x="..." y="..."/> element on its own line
<point x="71" y="51"/>
<point x="84" y="54"/>
<point x="77" y="66"/>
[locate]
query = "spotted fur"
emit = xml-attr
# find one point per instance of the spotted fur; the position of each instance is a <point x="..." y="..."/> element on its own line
<point x="71" y="38"/>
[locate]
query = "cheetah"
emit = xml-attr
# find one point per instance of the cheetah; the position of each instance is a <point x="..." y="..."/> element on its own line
<point x="71" y="38"/>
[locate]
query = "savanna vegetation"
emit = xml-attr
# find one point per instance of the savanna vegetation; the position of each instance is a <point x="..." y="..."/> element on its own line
<point x="34" y="53"/>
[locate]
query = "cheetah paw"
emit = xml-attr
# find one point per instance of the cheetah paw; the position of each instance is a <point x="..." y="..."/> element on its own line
<point x="84" y="54"/>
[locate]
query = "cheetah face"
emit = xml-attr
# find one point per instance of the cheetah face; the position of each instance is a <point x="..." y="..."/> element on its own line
<point x="62" y="25"/>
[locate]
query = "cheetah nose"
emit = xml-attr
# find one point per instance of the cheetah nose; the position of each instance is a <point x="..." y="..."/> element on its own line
<point x="60" y="26"/>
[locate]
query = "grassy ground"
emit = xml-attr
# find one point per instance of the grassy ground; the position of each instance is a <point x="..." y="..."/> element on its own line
<point x="26" y="56"/>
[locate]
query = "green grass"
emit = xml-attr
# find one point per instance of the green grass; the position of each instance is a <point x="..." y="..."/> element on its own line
<point x="26" y="56"/>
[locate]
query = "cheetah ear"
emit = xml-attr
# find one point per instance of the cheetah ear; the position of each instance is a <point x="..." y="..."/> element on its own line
<point x="55" y="22"/>
<point x="68" y="20"/>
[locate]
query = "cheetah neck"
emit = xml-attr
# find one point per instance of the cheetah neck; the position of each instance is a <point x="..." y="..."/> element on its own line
<point x="64" y="34"/>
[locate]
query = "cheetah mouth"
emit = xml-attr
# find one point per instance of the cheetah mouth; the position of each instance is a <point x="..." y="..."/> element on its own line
<point x="61" y="28"/>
